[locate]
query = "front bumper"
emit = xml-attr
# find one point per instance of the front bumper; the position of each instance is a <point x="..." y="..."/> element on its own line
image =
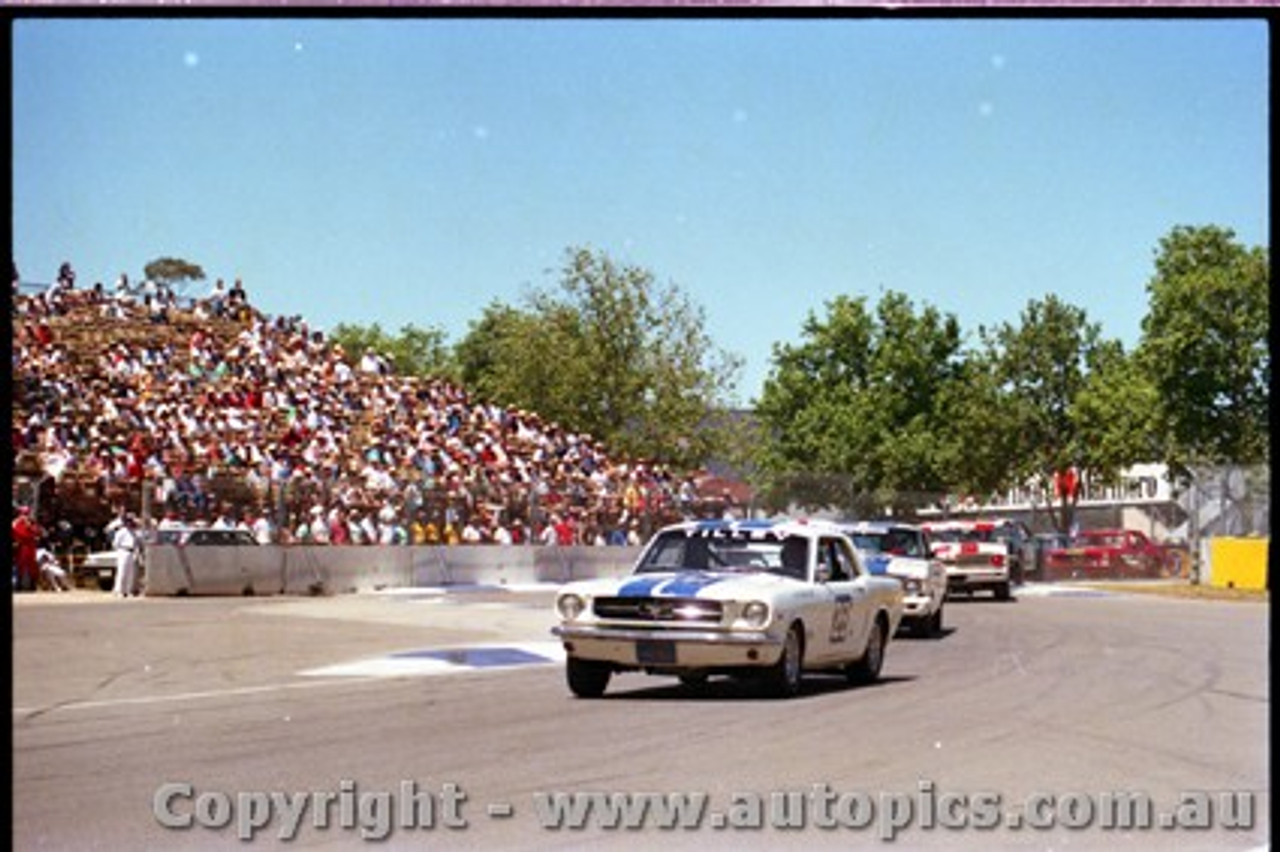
<point x="916" y="606"/>
<point x="966" y="578"/>
<point x="669" y="650"/>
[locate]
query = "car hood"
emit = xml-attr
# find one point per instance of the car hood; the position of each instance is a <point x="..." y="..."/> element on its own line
<point x="712" y="585"/>
<point x="896" y="566"/>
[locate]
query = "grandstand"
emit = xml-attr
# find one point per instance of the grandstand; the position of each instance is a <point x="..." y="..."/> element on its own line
<point x="135" y="400"/>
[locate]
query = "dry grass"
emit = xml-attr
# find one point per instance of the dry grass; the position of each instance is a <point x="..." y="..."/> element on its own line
<point x="1183" y="589"/>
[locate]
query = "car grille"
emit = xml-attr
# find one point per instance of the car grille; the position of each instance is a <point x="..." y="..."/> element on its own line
<point x="683" y="610"/>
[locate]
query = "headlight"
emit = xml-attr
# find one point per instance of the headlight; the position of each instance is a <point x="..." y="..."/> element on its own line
<point x="756" y="613"/>
<point x="570" y="606"/>
<point x="911" y="585"/>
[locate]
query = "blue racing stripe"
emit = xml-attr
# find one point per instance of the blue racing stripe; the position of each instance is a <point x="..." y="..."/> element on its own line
<point x="688" y="585"/>
<point x="642" y="587"/>
<point x="878" y="564"/>
<point x="712" y="526"/>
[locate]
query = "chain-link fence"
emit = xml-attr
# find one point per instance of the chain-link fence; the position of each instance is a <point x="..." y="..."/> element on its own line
<point x="1227" y="501"/>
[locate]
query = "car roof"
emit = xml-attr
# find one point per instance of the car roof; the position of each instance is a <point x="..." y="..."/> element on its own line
<point x="757" y="527"/>
<point x="966" y="524"/>
<point x="879" y="527"/>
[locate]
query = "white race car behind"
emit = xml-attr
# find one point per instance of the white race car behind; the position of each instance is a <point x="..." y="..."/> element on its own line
<point x="901" y="550"/>
<point x="759" y="599"/>
<point x="975" y="559"/>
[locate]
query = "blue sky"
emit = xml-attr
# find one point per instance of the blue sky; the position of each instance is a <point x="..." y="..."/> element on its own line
<point x="416" y="170"/>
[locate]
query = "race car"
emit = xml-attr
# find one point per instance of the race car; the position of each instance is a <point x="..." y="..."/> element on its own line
<point x="900" y="550"/>
<point x="975" y="558"/>
<point x="766" y="600"/>
<point x="1108" y="554"/>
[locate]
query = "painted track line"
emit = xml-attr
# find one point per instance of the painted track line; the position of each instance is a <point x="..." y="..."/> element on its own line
<point x="442" y="661"/>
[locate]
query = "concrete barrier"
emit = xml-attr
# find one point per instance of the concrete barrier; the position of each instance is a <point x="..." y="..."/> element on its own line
<point x="231" y="570"/>
<point x="324" y="569"/>
<point x="346" y="569"/>
<point x="1238" y="563"/>
<point x="563" y="564"/>
<point x="485" y="566"/>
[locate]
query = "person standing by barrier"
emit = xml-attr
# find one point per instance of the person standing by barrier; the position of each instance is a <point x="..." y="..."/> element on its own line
<point x="125" y="544"/>
<point x="26" y="540"/>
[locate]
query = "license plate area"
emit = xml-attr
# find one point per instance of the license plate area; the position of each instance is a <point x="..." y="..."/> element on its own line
<point x="655" y="652"/>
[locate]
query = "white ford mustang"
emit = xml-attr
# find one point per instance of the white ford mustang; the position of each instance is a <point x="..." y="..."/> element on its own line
<point x="755" y="598"/>
<point x="900" y="550"/>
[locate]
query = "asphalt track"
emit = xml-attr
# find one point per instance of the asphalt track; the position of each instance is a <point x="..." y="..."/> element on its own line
<point x="373" y="699"/>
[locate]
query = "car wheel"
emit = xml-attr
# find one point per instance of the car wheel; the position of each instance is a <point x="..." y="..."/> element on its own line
<point x="586" y="678"/>
<point x="935" y="622"/>
<point x="784" y="677"/>
<point x="867" y="668"/>
<point x="1002" y="592"/>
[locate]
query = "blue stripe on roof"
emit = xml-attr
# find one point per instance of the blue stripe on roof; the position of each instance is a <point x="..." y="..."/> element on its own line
<point x="706" y="526"/>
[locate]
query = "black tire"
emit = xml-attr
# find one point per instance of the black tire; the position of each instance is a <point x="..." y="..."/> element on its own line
<point x="784" y="677"/>
<point x="934" y="628"/>
<point x="1002" y="592"/>
<point x="866" y="669"/>
<point x="586" y="678"/>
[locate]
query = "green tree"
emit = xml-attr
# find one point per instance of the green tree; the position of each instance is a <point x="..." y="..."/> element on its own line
<point x="173" y="272"/>
<point x="974" y="432"/>
<point x="413" y="352"/>
<point x="848" y="415"/>
<point x="610" y="353"/>
<point x="1204" y="347"/>
<point x="1115" y="412"/>
<point x="1045" y="367"/>
<point x="484" y="352"/>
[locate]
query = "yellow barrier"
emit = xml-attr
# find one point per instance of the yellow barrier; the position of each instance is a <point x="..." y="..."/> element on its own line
<point x="1238" y="563"/>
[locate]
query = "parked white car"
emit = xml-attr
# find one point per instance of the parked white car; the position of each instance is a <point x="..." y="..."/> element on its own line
<point x="761" y="599"/>
<point x="901" y="551"/>
<point x="101" y="564"/>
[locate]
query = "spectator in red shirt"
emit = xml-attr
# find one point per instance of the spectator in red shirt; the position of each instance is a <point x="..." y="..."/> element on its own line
<point x="26" y="540"/>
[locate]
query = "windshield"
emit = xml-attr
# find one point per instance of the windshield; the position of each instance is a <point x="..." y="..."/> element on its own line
<point x="678" y="550"/>
<point x="892" y="542"/>
<point x="962" y="534"/>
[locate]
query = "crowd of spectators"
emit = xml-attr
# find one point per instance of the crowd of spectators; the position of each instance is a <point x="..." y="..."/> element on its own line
<point x="207" y="411"/>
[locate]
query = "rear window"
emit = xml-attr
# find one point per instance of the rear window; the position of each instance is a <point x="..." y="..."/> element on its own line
<point x="963" y="534"/>
<point x="207" y="538"/>
<point x="893" y="542"/>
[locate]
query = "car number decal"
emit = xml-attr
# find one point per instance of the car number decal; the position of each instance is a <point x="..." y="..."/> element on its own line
<point x="841" y="615"/>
